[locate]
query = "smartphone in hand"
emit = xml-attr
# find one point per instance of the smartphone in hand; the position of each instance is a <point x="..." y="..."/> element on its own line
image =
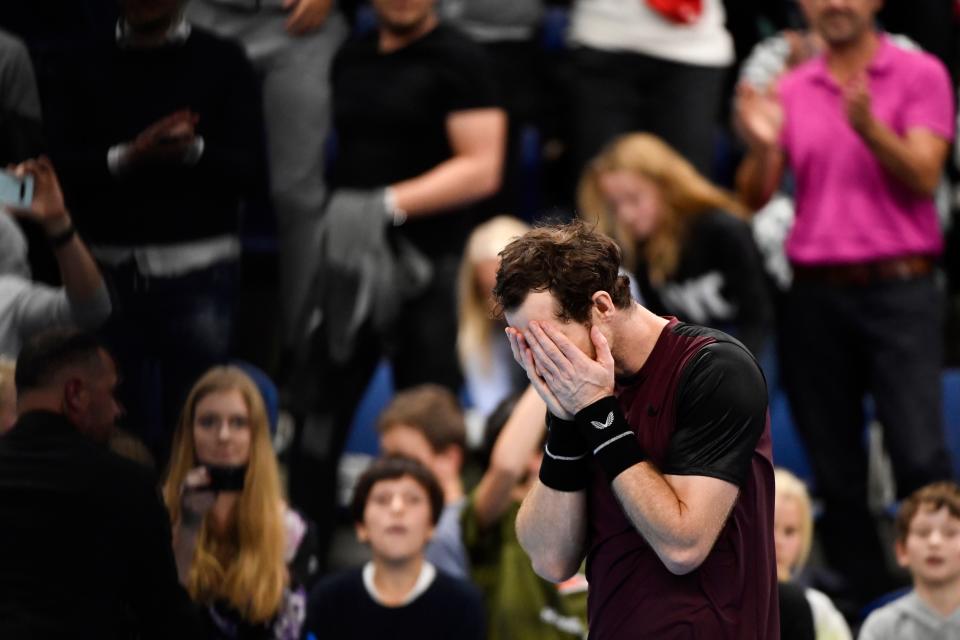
<point x="16" y="191"/>
<point x="226" y="478"/>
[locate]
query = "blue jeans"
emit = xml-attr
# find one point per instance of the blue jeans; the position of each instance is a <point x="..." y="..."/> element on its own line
<point x="164" y="333"/>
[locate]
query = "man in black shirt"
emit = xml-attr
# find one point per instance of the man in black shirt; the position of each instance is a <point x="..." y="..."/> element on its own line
<point x="85" y="547"/>
<point x="419" y="138"/>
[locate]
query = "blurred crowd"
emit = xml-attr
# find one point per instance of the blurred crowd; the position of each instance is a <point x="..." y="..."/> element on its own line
<point x="242" y="208"/>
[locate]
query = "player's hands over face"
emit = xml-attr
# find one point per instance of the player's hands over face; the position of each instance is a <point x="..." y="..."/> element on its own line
<point x="524" y="357"/>
<point x="575" y="379"/>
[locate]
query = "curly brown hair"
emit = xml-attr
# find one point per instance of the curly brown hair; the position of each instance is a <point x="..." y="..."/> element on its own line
<point x="572" y="261"/>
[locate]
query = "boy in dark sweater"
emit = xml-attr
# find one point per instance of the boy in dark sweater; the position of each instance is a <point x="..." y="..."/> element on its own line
<point x="398" y="594"/>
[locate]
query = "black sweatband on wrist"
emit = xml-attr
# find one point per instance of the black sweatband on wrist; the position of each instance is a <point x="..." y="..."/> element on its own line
<point x="565" y="465"/>
<point x="62" y="238"/>
<point x="612" y="442"/>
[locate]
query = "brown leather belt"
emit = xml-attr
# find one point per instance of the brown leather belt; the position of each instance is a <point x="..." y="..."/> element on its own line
<point x="865" y="273"/>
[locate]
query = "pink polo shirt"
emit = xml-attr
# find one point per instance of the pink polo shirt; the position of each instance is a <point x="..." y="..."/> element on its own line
<point x="849" y="208"/>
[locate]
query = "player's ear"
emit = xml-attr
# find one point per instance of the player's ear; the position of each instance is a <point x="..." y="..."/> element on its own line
<point x="602" y="304"/>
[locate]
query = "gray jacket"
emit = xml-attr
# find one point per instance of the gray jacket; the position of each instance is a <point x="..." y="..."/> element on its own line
<point x="365" y="273"/>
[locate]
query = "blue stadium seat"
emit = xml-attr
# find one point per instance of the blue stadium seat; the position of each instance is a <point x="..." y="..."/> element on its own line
<point x="363" y="430"/>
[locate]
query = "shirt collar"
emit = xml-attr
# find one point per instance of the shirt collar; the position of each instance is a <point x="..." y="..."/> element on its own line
<point x="177" y="34"/>
<point x="880" y="63"/>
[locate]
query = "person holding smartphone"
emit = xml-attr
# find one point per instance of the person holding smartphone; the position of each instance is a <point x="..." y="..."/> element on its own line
<point x="241" y="552"/>
<point x="28" y="307"/>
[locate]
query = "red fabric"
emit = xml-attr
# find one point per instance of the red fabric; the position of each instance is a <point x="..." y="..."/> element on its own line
<point x="678" y="11"/>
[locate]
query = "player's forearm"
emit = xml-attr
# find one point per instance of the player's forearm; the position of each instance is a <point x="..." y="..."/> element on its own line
<point x="453" y="183"/>
<point x="918" y="173"/>
<point x="662" y="518"/>
<point x="551" y="527"/>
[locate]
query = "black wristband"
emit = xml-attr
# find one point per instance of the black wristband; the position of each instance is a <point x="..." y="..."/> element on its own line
<point x="565" y="465"/>
<point x="612" y="442"/>
<point x="62" y="238"/>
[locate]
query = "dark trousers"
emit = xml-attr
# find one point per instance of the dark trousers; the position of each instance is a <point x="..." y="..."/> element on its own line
<point x="164" y="333"/>
<point x="613" y="93"/>
<point x="839" y="344"/>
<point x="421" y="346"/>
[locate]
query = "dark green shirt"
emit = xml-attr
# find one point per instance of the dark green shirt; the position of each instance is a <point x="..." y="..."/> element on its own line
<point x="520" y="604"/>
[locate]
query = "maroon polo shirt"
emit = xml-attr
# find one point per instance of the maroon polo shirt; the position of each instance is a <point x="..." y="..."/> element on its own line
<point x="698" y="407"/>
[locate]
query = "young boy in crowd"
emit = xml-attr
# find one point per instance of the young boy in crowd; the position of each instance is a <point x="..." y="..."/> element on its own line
<point x="426" y="423"/>
<point x="928" y="545"/>
<point x="399" y="594"/>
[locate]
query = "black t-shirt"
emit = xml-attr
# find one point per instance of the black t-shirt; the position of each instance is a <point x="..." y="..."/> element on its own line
<point x="719" y="281"/>
<point x="390" y="114"/>
<point x="698" y="407"/>
<point x="340" y="607"/>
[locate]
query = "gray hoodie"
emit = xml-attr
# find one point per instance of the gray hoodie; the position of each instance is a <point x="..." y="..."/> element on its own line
<point x="909" y="618"/>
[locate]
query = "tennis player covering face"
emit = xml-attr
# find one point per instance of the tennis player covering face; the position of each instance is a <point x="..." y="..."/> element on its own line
<point x="657" y="467"/>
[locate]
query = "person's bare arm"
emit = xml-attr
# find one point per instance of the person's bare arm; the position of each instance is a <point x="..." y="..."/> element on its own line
<point x="679" y="516"/>
<point x="477" y="138"/>
<point x="759" y="175"/>
<point x="916" y="159"/>
<point x="552" y="529"/>
<point x="518" y="441"/>
<point x="81" y="277"/>
<point x="758" y="120"/>
<point x="195" y="503"/>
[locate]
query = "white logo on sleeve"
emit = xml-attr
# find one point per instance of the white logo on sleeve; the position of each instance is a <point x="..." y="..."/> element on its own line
<point x="605" y="424"/>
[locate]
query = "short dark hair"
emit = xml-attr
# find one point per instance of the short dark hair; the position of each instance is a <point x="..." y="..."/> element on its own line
<point x="934" y="496"/>
<point x="50" y="352"/>
<point x="432" y="410"/>
<point x="391" y="468"/>
<point x="571" y="261"/>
